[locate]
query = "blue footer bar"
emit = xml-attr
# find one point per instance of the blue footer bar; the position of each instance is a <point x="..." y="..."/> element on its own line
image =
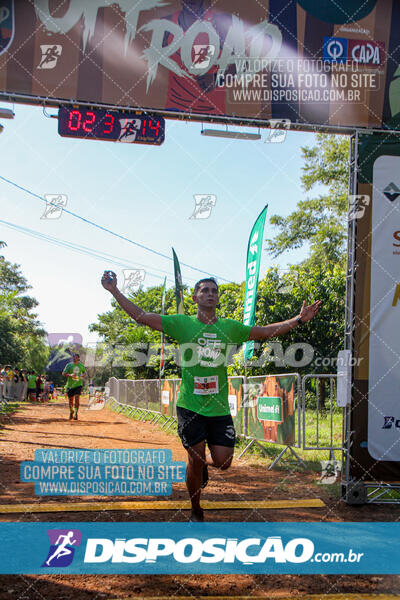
<point x="150" y="548"/>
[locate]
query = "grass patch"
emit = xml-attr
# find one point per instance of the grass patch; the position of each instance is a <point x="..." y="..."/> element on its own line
<point x="6" y="410"/>
<point x="390" y="494"/>
<point x="330" y="492"/>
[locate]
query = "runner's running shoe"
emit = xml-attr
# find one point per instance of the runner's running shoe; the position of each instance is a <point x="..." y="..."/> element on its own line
<point x="197" y="516"/>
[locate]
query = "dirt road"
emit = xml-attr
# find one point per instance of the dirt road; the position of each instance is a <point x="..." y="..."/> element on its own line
<point x="47" y="426"/>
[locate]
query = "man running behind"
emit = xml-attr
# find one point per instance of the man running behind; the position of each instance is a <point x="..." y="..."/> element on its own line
<point x="74" y="372"/>
<point x="202" y="407"/>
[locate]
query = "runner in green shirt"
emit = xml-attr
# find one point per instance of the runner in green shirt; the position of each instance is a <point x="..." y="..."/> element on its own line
<point x="74" y="372"/>
<point x="31" y="386"/>
<point x="202" y="406"/>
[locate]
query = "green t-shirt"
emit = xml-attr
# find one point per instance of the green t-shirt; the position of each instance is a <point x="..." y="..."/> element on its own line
<point x="31" y="382"/>
<point x="76" y="369"/>
<point x="205" y="350"/>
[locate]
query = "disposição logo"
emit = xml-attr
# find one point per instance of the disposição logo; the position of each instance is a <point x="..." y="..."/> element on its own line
<point x="62" y="547"/>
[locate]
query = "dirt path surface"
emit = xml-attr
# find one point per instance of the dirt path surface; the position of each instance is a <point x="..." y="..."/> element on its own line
<point x="47" y="426"/>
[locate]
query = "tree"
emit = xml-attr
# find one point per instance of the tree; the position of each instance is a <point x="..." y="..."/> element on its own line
<point x="37" y="355"/>
<point x="11" y="346"/>
<point x="19" y="325"/>
<point x="321" y="221"/>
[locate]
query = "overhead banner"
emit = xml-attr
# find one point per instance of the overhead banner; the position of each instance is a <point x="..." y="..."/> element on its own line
<point x="308" y="62"/>
<point x="375" y="414"/>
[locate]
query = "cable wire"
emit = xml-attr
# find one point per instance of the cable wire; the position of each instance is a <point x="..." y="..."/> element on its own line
<point x="118" y="235"/>
<point x="86" y="250"/>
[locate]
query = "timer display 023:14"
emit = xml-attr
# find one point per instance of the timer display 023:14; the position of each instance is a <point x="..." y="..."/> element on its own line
<point x="115" y="126"/>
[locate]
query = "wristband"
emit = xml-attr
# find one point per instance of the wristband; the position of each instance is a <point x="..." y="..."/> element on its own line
<point x="300" y="322"/>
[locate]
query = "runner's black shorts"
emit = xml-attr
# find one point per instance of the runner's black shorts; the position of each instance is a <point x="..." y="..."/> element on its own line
<point x="75" y="391"/>
<point x="194" y="428"/>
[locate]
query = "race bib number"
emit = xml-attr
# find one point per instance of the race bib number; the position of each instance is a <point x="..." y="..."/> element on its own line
<point x="206" y="385"/>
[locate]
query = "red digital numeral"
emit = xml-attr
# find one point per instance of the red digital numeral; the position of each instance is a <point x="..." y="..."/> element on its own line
<point x="155" y="128"/>
<point x="110" y="123"/>
<point x="144" y="127"/>
<point x="74" y="114"/>
<point x="89" y="121"/>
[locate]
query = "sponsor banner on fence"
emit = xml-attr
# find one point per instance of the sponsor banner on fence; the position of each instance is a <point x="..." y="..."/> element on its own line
<point x="333" y="63"/>
<point x="235" y="399"/>
<point x="271" y="408"/>
<point x="142" y="548"/>
<point x="97" y="399"/>
<point x="168" y="396"/>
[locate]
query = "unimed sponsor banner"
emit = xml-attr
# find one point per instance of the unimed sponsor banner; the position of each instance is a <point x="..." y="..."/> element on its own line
<point x="168" y="397"/>
<point x="312" y="62"/>
<point x="271" y="408"/>
<point x="145" y="548"/>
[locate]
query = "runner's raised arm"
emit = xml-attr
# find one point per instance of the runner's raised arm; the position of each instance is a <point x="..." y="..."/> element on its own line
<point x="276" y="329"/>
<point x="153" y="320"/>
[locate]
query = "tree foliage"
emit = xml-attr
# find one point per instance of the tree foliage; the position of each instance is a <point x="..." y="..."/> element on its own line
<point x="21" y="333"/>
<point x="319" y="221"/>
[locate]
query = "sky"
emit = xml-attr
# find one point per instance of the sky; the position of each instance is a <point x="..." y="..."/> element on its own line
<point x="144" y="193"/>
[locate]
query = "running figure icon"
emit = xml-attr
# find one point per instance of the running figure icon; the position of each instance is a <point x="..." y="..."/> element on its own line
<point x="50" y="55"/>
<point x="62" y="549"/>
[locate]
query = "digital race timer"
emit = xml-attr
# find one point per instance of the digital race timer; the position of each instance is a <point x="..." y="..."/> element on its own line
<point x="116" y="126"/>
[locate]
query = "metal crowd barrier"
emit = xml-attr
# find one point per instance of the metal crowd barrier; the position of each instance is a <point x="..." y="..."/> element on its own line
<point x="139" y="398"/>
<point x="11" y="391"/>
<point x="280" y="397"/>
<point x="312" y="389"/>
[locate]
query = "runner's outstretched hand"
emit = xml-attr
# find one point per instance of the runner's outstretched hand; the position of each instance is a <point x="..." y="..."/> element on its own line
<point x="308" y="312"/>
<point x="109" y="280"/>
